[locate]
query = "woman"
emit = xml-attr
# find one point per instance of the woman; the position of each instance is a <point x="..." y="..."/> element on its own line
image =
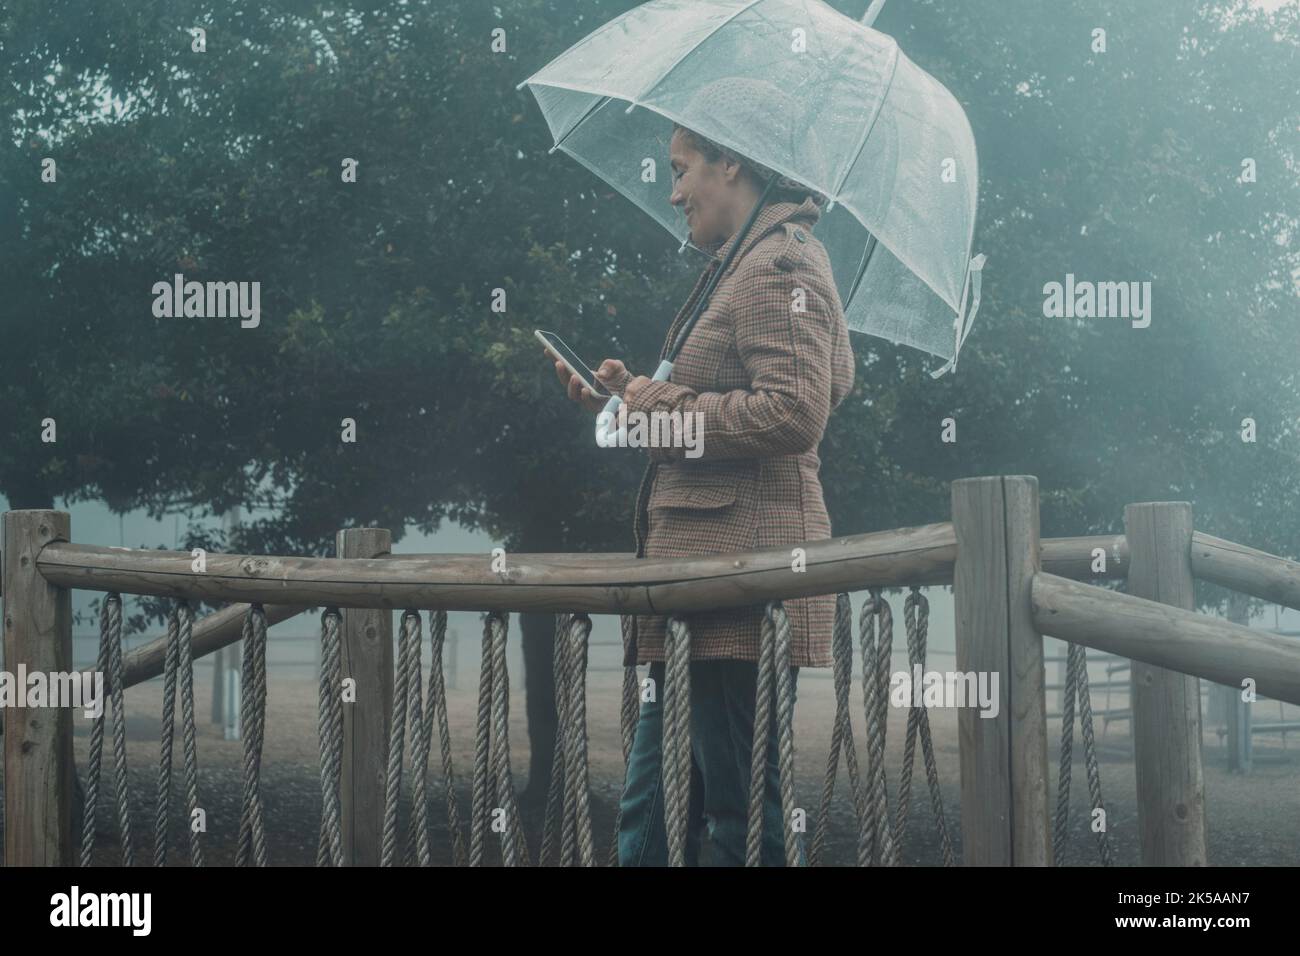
<point x="762" y="369"/>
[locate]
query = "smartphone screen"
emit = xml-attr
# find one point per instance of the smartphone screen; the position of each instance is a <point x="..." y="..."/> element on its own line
<point x="576" y="365"/>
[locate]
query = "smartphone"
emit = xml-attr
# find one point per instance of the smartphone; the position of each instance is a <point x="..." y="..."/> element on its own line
<point x="574" y="364"/>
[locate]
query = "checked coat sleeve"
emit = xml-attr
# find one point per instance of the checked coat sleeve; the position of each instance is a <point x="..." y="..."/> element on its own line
<point x="784" y="317"/>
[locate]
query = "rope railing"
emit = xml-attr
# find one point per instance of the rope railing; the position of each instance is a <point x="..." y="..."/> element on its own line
<point x="841" y="731"/>
<point x="110" y="664"/>
<point x="330" y="729"/>
<point x="1076" y="689"/>
<point x="555" y="797"/>
<point x="1080" y="614"/>
<point x="916" y="616"/>
<point x="881" y="835"/>
<point x="252" y="718"/>
<point x="567" y="833"/>
<point x="179" y="665"/>
<point x="676" y="736"/>
<point x="629" y="715"/>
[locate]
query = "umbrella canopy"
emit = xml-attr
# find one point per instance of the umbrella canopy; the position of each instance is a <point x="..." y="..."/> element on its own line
<point x="814" y="96"/>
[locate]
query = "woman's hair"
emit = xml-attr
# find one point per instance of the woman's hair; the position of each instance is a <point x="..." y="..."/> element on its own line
<point x="786" y="189"/>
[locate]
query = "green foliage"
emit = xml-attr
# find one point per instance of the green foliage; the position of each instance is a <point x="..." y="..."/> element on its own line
<point x="376" y="295"/>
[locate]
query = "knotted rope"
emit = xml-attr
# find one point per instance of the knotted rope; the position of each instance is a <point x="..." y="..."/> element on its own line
<point x="629" y="715"/>
<point x="568" y="801"/>
<point x="1076" y="687"/>
<point x="876" y="842"/>
<point x="330" y="728"/>
<point x="482" y="744"/>
<point x="677" y="736"/>
<point x="918" y="717"/>
<point x="418" y="850"/>
<point x="842" y="732"/>
<point x="773" y="669"/>
<point x="577" y="797"/>
<point x="252" y="719"/>
<point x="436" y="708"/>
<point x="759" y="745"/>
<point x="492" y="749"/>
<point x="109" y="663"/>
<point x="785" y="729"/>
<point x="555" y="792"/>
<point x="406" y="672"/>
<point x="168" y="737"/>
<point x="413" y="718"/>
<point x="179" y="659"/>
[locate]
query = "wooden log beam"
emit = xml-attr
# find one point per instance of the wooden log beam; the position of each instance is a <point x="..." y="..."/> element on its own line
<point x="1169" y="637"/>
<point x="614" y="583"/>
<point x="528" y="582"/>
<point x="1257" y="573"/>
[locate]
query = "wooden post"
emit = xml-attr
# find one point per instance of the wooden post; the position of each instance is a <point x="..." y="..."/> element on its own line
<point x="1166" y="704"/>
<point x="39" y="769"/>
<point x="1237" y="711"/>
<point x="367" y="660"/>
<point x="1004" y="768"/>
<point x="219" y="686"/>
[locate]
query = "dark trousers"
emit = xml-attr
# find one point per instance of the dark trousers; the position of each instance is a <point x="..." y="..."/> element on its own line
<point x="722" y="734"/>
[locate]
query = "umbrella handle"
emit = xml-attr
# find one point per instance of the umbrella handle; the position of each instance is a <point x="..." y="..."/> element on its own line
<point x="606" y="435"/>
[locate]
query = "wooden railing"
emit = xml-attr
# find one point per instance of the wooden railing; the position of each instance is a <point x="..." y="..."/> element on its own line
<point x="1011" y="588"/>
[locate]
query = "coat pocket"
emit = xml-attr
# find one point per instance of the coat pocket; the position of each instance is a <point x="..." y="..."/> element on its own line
<point x="696" y="488"/>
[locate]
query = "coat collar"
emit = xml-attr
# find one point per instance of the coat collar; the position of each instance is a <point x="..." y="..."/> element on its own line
<point x="772" y="217"/>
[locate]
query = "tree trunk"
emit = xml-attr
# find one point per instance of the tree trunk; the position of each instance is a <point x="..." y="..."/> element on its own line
<point x="539" y="688"/>
<point x="538" y="642"/>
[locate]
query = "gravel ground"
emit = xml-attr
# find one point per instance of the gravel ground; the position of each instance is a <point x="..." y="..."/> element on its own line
<point x="1253" y="819"/>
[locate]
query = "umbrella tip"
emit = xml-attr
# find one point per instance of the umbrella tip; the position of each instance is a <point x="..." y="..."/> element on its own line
<point x="630" y="108"/>
<point x="552" y="149"/>
<point x="520" y="85"/>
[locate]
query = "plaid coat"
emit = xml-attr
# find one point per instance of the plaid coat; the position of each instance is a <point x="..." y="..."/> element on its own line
<point x="764" y="366"/>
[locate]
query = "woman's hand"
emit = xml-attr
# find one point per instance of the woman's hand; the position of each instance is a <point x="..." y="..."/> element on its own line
<point x="633" y="386"/>
<point x="612" y="375"/>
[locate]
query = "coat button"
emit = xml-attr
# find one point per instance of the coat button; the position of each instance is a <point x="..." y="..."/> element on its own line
<point x="798" y="234"/>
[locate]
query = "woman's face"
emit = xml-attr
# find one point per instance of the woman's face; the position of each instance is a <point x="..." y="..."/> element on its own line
<point x="703" y="190"/>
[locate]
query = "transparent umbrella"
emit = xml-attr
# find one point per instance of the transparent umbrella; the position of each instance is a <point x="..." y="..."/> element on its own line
<point x="814" y="96"/>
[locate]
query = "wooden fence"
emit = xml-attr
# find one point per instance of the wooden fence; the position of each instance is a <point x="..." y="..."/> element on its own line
<point x="1011" y="588"/>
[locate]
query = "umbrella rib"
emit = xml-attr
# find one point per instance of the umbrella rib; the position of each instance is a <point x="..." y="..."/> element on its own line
<point x="582" y="119"/>
<point x="868" y="127"/>
<point x="638" y="98"/>
<point x="862" y="269"/>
